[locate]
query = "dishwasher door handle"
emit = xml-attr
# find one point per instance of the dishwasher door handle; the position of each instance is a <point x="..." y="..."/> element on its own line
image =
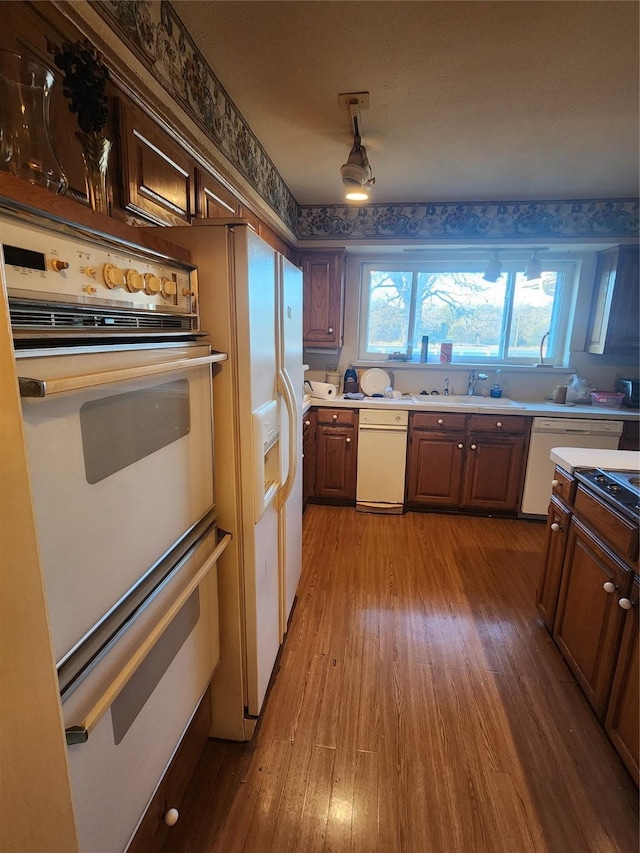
<point x="382" y="428"/>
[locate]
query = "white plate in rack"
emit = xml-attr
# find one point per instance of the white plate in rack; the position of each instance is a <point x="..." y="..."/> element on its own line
<point x="374" y="381"/>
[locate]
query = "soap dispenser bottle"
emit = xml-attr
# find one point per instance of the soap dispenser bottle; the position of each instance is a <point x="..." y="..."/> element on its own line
<point x="350" y="381"/>
<point x="496" y="389"/>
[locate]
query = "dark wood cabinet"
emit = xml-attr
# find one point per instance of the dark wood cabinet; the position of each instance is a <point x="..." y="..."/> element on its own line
<point x="471" y="462"/>
<point x="630" y="438"/>
<point x="613" y="324"/>
<point x="624" y="707"/>
<point x="588" y="620"/>
<point x="336" y="454"/>
<point x="554" y="550"/>
<point x="323" y="276"/>
<point x="308" y="456"/>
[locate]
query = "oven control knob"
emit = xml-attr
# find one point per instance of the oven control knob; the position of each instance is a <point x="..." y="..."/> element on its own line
<point x="59" y="266"/>
<point x="90" y="272"/>
<point x="151" y="284"/>
<point x="134" y="281"/>
<point x="168" y="287"/>
<point x="90" y="289"/>
<point x="113" y="276"/>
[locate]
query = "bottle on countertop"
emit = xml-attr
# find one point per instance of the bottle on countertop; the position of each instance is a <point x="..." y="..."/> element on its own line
<point x="350" y="381"/>
<point x="424" y="349"/>
<point x="496" y="388"/>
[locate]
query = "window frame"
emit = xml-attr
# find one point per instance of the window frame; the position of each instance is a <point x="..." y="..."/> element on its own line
<point x="557" y="346"/>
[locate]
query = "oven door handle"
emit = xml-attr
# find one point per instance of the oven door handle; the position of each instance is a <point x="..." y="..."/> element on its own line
<point x="80" y="734"/>
<point x="38" y="388"/>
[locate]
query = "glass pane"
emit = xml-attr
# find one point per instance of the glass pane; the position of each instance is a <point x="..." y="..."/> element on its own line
<point x="533" y="315"/>
<point x="119" y="430"/>
<point x="461" y="307"/>
<point x="389" y="305"/>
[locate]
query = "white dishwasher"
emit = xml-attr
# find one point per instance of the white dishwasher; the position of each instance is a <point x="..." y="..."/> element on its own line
<point x="547" y="433"/>
<point x="382" y="455"/>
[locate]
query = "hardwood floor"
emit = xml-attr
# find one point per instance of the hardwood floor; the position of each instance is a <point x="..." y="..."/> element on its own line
<point x="419" y="706"/>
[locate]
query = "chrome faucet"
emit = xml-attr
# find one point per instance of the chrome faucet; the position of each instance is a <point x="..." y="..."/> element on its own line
<point x="446" y="387"/>
<point x="471" y="384"/>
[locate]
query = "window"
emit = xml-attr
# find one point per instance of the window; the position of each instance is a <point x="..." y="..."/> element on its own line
<point x="501" y="321"/>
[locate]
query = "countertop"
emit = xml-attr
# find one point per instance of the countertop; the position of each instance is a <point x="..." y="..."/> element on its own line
<point x="479" y="405"/>
<point x="571" y="458"/>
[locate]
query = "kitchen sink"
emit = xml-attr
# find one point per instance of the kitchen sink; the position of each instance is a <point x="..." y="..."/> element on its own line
<point x="439" y="400"/>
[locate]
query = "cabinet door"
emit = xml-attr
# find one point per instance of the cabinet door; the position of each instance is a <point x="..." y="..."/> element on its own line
<point x="622" y="721"/>
<point x="613" y="325"/>
<point x="555" y="544"/>
<point x="336" y="458"/>
<point x="309" y="456"/>
<point x="323" y="275"/>
<point x="494" y="472"/>
<point x="588" y="619"/>
<point x="212" y="199"/>
<point x="435" y="466"/>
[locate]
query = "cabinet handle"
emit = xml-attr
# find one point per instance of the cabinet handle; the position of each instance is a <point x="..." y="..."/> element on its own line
<point x="460" y="446"/>
<point x="335" y="417"/>
<point x="609" y="587"/>
<point x="474" y="446"/>
<point x="555" y="527"/>
<point x="348" y="440"/>
<point x="330" y="331"/>
<point x="440" y="421"/>
<point x="307" y="423"/>
<point x="625" y="603"/>
<point x="171" y="817"/>
<point x="556" y="484"/>
<point x="499" y="423"/>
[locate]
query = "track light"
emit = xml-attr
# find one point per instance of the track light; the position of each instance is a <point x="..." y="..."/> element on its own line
<point x="533" y="269"/>
<point x="494" y="268"/>
<point x="355" y="174"/>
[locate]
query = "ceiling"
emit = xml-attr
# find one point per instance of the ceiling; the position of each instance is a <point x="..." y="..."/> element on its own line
<point x="469" y="101"/>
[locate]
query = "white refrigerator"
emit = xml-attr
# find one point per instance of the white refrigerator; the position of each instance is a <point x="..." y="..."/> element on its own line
<point x="251" y="305"/>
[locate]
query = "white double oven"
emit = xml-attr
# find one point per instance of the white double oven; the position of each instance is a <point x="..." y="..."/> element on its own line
<point x="116" y="385"/>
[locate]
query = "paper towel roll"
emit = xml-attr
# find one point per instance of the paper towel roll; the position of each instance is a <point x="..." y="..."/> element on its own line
<point x="323" y="390"/>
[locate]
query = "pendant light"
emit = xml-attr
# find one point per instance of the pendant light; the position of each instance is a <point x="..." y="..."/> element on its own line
<point x="355" y="174"/>
<point x="494" y="269"/>
<point x="533" y="269"/>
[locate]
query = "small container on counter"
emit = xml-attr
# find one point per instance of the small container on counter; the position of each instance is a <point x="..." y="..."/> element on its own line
<point x="424" y="349"/>
<point x="446" y="351"/>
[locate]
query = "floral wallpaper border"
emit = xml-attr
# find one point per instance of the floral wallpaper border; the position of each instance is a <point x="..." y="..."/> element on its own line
<point x="154" y="32"/>
<point x="486" y="221"/>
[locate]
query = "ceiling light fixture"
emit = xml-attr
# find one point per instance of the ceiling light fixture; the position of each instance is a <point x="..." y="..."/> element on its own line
<point x="494" y="269"/>
<point x="533" y="268"/>
<point x="355" y="174"/>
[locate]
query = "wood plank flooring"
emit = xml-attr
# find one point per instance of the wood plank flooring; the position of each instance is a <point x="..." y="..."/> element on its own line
<point x="419" y="706"/>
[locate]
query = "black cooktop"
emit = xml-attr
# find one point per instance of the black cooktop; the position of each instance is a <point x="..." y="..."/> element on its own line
<point x="621" y="489"/>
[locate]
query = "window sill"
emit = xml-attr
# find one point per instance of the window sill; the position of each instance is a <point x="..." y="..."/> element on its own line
<point x="461" y="365"/>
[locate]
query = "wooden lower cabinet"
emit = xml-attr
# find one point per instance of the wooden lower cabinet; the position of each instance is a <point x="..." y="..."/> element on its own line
<point x="624" y="707"/>
<point x="474" y="462"/>
<point x="336" y="454"/>
<point x="588" y="620"/>
<point x="558" y="521"/>
<point x="308" y="456"/>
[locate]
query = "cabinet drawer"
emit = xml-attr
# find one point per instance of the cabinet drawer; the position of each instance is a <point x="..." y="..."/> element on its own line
<point x="338" y="417"/>
<point x="513" y="424"/>
<point x="619" y="534"/>
<point x="563" y="486"/>
<point x="438" y="420"/>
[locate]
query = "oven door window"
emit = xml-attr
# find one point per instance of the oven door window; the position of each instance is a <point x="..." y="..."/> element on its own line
<point x="120" y="430"/>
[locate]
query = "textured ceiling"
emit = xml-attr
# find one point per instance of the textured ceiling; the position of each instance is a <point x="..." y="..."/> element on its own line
<point x="470" y="101"/>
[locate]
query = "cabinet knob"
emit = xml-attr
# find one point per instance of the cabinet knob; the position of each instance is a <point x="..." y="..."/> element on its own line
<point x="625" y="603"/>
<point x="440" y="421"/>
<point x="460" y="446"/>
<point x="348" y="440"/>
<point x="498" y="423"/>
<point x="556" y="483"/>
<point x="555" y="527"/>
<point x="609" y="587"/>
<point x="171" y="817"/>
<point x="307" y="423"/>
<point x="330" y="331"/>
<point x="335" y="417"/>
<point x="474" y="446"/>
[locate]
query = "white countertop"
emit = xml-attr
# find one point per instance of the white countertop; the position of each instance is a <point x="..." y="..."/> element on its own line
<point x="571" y="458"/>
<point x="480" y="405"/>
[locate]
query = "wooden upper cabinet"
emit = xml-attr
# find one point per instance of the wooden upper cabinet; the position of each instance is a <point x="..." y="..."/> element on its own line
<point x="157" y="173"/>
<point x="323" y="276"/>
<point x="212" y="199"/>
<point x="613" y="325"/>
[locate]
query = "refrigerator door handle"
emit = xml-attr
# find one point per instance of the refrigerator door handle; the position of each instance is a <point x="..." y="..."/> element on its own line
<point x="285" y="388"/>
